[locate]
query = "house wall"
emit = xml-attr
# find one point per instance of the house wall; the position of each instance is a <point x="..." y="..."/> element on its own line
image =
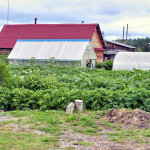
<point x="114" y="46"/>
<point x="96" y="41"/>
<point x="5" y="51"/>
<point x="100" y="56"/>
<point x="97" y="44"/>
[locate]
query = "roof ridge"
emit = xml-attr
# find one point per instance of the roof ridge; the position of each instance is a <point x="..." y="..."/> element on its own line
<point x="50" y="24"/>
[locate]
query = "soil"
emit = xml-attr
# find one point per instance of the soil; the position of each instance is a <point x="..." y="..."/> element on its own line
<point x="137" y="118"/>
<point x="101" y="142"/>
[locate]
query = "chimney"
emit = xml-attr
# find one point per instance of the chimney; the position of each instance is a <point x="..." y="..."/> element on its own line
<point x="35" y="20"/>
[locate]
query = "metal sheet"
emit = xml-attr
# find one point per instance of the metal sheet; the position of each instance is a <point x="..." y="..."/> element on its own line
<point x="10" y="33"/>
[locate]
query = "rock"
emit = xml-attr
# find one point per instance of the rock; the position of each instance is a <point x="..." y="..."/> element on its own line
<point x="79" y="105"/>
<point x="70" y="108"/>
<point x="1" y="111"/>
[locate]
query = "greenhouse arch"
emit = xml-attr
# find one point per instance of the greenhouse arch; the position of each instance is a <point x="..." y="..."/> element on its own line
<point x="131" y="60"/>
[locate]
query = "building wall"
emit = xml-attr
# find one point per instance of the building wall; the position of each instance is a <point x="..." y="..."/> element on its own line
<point x="5" y="51"/>
<point x="96" y="41"/>
<point x="97" y="44"/>
<point x="114" y="46"/>
<point x="100" y="56"/>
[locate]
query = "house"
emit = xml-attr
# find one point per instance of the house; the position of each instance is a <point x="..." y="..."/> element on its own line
<point x="77" y="52"/>
<point x="114" y="47"/>
<point x="11" y="33"/>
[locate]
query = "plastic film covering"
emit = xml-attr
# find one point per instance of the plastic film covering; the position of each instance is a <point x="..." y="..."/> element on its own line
<point x="131" y="60"/>
<point x="64" y="52"/>
<point x="61" y="50"/>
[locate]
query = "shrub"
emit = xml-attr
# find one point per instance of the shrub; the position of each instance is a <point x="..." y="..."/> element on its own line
<point x="4" y="73"/>
<point x="54" y="87"/>
<point x="106" y="64"/>
<point x="4" y="59"/>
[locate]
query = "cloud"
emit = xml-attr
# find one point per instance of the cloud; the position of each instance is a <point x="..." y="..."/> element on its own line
<point x="111" y="15"/>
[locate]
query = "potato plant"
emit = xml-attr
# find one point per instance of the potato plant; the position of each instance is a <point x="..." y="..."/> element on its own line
<point x="48" y="87"/>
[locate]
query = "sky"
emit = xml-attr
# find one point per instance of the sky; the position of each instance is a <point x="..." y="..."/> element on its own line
<point x="111" y="15"/>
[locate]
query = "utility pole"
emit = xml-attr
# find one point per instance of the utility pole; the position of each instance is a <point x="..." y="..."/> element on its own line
<point x="8" y="13"/>
<point x="123" y="33"/>
<point x="127" y="35"/>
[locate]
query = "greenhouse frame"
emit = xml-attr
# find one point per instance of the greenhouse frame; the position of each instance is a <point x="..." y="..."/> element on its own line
<point x="132" y="60"/>
<point x="65" y="52"/>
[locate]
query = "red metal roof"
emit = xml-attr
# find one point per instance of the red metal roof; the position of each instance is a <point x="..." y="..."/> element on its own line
<point x="100" y="49"/>
<point x="10" y="33"/>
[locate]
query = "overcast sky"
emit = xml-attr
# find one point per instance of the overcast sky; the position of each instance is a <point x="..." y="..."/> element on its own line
<point x="111" y="15"/>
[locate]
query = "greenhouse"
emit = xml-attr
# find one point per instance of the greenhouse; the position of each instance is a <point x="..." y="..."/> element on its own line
<point x="131" y="60"/>
<point x="65" y="52"/>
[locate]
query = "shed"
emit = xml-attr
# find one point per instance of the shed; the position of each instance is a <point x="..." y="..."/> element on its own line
<point x="114" y="47"/>
<point x="64" y="52"/>
<point x="130" y="60"/>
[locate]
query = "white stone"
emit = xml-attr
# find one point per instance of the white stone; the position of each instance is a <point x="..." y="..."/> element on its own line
<point x="79" y="105"/>
<point x="70" y="108"/>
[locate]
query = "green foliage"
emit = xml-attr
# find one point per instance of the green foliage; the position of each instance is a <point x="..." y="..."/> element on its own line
<point x="106" y="65"/>
<point x="3" y="58"/>
<point x="54" y="87"/>
<point x="4" y="73"/>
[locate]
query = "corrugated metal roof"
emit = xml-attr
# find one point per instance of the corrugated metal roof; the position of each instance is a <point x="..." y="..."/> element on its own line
<point x="10" y="33"/>
<point x="58" y="49"/>
<point x="124" y="45"/>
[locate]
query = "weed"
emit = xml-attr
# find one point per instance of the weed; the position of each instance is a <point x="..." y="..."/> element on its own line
<point x="78" y="129"/>
<point x="117" y="140"/>
<point x="72" y="118"/>
<point x="108" y="124"/>
<point x="100" y="129"/>
<point x="87" y="121"/>
<point x="85" y="143"/>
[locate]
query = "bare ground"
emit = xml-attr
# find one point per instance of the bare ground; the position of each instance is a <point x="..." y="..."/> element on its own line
<point x="70" y="140"/>
<point x="101" y="142"/>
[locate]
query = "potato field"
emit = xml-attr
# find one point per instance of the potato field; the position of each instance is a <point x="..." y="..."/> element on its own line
<point x="49" y="87"/>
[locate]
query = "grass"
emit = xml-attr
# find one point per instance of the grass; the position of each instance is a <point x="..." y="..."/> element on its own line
<point x="87" y="121"/>
<point x="84" y="143"/>
<point x="52" y="124"/>
<point x="117" y="140"/>
<point x="108" y="124"/>
<point x="23" y="141"/>
<point x="141" y="136"/>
